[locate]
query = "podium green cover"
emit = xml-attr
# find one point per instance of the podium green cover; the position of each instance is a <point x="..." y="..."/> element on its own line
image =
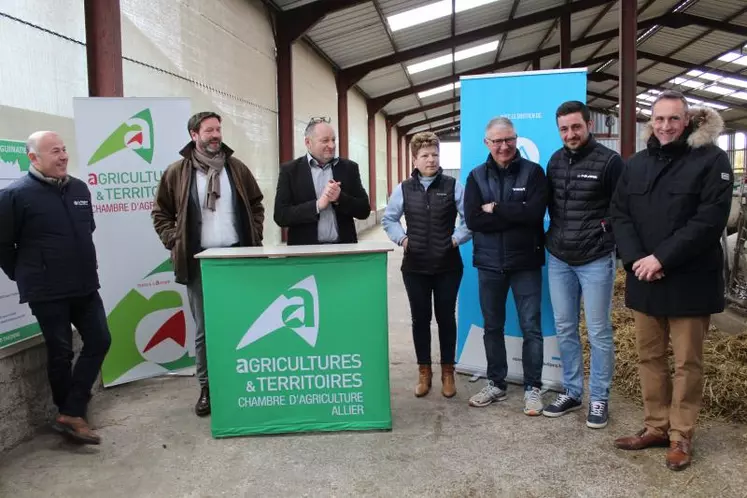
<point x="297" y="338"/>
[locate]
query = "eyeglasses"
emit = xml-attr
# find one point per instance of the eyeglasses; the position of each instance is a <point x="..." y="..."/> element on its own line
<point x="501" y="141"/>
<point x="319" y="119"/>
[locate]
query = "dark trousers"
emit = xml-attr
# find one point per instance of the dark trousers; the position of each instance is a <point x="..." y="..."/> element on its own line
<point x="71" y="386"/>
<point x="527" y="290"/>
<point x="426" y="292"/>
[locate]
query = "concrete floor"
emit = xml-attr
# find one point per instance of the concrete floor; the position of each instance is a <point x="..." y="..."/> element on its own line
<point x="154" y="446"/>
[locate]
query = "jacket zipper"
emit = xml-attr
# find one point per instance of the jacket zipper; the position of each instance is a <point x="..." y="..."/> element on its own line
<point x="71" y="221"/>
<point x="501" y="181"/>
<point x="565" y="199"/>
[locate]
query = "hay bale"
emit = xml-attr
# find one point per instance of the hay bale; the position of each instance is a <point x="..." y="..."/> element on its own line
<point x="724" y="362"/>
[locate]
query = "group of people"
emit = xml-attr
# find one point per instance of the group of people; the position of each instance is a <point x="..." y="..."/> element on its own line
<point x="662" y="214"/>
<point x="209" y="198"/>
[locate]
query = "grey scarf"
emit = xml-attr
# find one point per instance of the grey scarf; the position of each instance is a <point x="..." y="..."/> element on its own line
<point x="57" y="182"/>
<point x="212" y="167"/>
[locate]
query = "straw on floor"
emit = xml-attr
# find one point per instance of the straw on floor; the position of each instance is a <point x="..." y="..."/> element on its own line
<point x="725" y="364"/>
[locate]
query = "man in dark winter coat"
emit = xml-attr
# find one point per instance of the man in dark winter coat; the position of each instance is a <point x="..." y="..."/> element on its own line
<point x="46" y="247"/>
<point x="668" y="214"/>
<point x="504" y="206"/>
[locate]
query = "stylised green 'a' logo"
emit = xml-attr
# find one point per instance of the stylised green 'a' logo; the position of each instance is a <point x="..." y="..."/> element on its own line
<point x="136" y="133"/>
<point x="297" y="309"/>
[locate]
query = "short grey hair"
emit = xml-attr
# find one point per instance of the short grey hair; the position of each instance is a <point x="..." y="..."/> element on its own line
<point x="671" y="95"/>
<point x="499" y="121"/>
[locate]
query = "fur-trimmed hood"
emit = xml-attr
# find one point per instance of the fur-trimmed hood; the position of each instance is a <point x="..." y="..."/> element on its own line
<point x="705" y="127"/>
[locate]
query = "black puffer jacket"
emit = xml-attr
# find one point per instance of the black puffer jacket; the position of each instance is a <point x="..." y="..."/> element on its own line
<point x="673" y="202"/>
<point x="581" y="186"/>
<point x="512" y="236"/>
<point x="46" y="239"/>
<point x="430" y="216"/>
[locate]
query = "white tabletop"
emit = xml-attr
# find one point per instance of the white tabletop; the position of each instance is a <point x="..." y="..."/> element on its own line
<point x="295" y="251"/>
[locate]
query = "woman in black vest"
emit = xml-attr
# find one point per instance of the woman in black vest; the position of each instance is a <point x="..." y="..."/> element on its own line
<point x="432" y="266"/>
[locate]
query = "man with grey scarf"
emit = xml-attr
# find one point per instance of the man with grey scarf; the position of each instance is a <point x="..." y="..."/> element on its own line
<point x="207" y="199"/>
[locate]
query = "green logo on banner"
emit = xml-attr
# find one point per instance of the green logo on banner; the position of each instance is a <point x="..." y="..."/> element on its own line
<point x="13" y="159"/>
<point x="297" y="310"/>
<point x="136" y="133"/>
<point x="149" y="331"/>
<point x="297" y="344"/>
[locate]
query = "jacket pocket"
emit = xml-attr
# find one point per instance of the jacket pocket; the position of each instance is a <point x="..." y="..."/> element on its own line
<point x="682" y="202"/>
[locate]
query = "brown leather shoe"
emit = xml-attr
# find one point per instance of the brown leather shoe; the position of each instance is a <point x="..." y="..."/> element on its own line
<point x="448" y="388"/>
<point x="202" y="408"/>
<point x="424" y="380"/>
<point x="75" y="428"/>
<point x="679" y="455"/>
<point x="641" y="441"/>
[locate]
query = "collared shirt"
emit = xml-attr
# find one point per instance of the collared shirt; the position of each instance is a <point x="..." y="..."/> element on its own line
<point x="219" y="226"/>
<point x="321" y="175"/>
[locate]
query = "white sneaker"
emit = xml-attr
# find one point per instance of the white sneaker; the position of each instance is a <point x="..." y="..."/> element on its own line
<point x="487" y="395"/>
<point x="533" y="402"/>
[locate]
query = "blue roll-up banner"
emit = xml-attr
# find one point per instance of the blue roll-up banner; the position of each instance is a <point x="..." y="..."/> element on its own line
<point x="530" y="100"/>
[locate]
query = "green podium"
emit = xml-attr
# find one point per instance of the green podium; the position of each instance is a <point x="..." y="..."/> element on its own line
<point x="297" y="338"/>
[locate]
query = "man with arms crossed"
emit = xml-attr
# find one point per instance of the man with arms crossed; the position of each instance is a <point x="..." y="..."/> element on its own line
<point x="504" y="206"/>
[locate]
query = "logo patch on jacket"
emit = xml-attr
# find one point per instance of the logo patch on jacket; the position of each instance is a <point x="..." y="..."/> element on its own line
<point x="519" y="189"/>
<point x="80" y="202"/>
<point x="588" y="177"/>
<point x="725" y="176"/>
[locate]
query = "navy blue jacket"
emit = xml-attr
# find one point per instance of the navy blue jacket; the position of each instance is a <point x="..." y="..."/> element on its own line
<point x="46" y="239"/>
<point x="510" y="238"/>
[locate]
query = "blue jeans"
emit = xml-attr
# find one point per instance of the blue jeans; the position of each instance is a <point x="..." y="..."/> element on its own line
<point x="527" y="291"/>
<point x="595" y="282"/>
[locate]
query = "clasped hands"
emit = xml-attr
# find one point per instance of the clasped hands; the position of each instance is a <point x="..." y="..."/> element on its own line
<point x="330" y="194"/>
<point x="648" y="269"/>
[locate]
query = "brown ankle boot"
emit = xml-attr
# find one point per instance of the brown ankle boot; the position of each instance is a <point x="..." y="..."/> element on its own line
<point x="424" y="380"/>
<point x="448" y="388"/>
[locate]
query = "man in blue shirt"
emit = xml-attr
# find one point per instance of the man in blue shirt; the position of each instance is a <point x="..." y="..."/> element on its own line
<point x="432" y="266"/>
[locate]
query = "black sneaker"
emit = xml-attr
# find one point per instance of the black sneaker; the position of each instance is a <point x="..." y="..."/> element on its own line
<point x="598" y="415"/>
<point x="562" y="405"/>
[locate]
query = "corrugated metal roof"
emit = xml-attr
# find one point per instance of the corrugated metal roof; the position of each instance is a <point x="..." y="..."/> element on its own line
<point x="716" y="10"/>
<point x="584" y="53"/>
<point x="431" y="74"/>
<point x="352" y="36"/>
<point x="291" y="4"/>
<point x="390" y="81"/>
<point x="357" y="34"/>
<point x="412" y="118"/>
<point x="709" y="46"/>
<point x="521" y="41"/>
<point x="480" y="17"/>
<point x="391" y="7"/>
<point x="423" y="33"/>
<point x="475" y="62"/>
<point x="403" y="104"/>
<point x="531" y="6"/>
<point x="659" y="73"/>
<point x="443" y="110"/>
